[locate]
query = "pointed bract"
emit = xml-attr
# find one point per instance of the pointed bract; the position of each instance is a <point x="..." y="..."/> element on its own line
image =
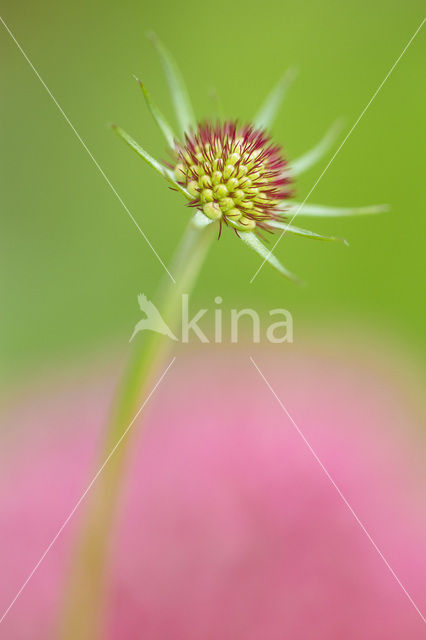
<point x="140" y="151"/>
<point x="160" y="168"/>
<point x="161" y="121"/>
<point x="314" y="155"/>
<point x="251" y="240"/>
<point x="287" y="228"/>
<point x="267" y="113"/>
<point x="182" y="104"/>
<point x="320" y="211"/>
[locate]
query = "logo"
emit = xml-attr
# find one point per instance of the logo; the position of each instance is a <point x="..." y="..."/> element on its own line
<point x="153" y="320"/>
<point x="225" y="327"/>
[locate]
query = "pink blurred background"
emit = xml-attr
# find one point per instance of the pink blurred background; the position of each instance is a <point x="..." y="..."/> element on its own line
<point x="228" y="528"/>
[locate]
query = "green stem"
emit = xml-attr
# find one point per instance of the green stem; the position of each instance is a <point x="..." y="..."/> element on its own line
<point x="84" y="600"/>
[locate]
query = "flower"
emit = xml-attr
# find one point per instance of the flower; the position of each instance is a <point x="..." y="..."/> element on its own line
<point x="235" y="174"/>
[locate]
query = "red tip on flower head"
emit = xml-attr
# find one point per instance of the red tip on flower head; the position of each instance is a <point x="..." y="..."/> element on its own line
<point x="234" y="173"/>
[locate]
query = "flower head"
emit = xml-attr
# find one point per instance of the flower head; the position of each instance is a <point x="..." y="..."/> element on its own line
<point x="235" y="174"/>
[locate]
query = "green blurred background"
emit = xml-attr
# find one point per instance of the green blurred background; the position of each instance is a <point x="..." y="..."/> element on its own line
<point x="72" y="261"/>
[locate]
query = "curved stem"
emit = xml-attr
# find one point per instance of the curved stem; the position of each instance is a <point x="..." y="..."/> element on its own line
<point x="82" y="614"/>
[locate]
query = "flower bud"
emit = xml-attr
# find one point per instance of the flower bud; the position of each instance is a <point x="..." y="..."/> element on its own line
<point x="234" y="158"/>
<point x="212" y="210"/>
<point x="205" y="181"/>
<point x="239" y="195"/>
<point x="232" y="184"/>
<point x="226" y="204"/>
<point x="220" y="191"/>
<point x="216" y="177"/>
<point x="180" y="174"/>
<point x="232" y="173"/>
<point x="228" y="171"/>
<point x="234" y="214"/>
<point x="206" y="195"/>
<point x="246" y="224"/>
<point x="193" y="189"/>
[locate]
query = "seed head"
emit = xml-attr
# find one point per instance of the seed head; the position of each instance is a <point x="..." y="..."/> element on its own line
<point x="235" y="174"/>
